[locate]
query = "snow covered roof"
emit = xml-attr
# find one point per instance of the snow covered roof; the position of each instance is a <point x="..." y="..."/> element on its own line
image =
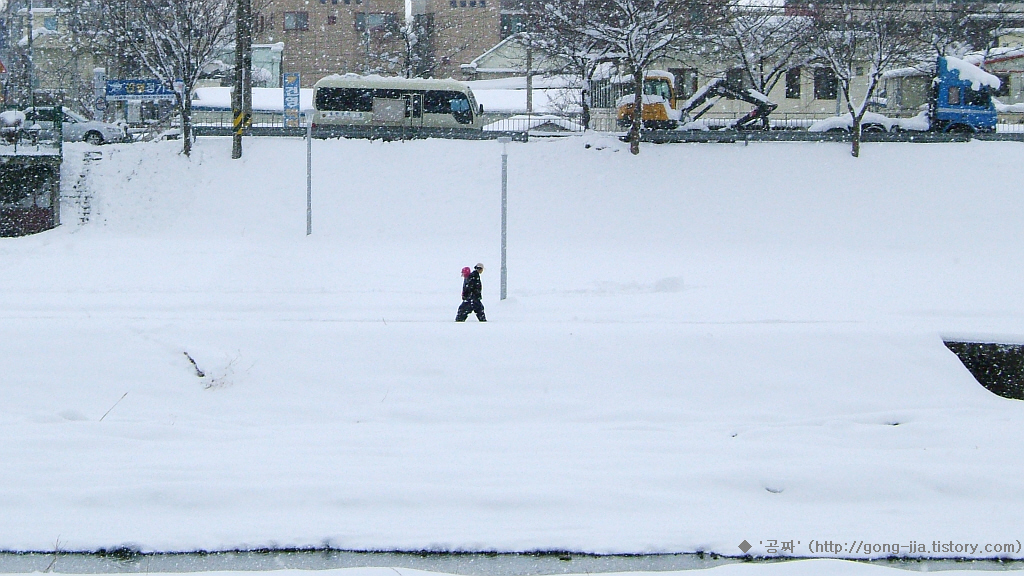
<point x="1008" y="108"/>
<point x="920" y="70"/>
<point x="545" y="100"/>
<point x="1004" y="53"/>
<point x="263" y="99"/>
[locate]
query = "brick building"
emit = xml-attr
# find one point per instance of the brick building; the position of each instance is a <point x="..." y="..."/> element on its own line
<point x="323" y="37"/>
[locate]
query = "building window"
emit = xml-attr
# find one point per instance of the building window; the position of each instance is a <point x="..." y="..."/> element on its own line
<point x="1004" y="85"/>
<point x="734" y="77"/>
<point x="360" y="21"/>
<point x="793" y="83"/>
<point x="686" y="81"/>
<point x="826" y="85"/>
<point x="512" y="24"/>
<point x="50" y="22"/>
<point x="383" y="22"/>
<point x="296" y="20"/>
<point x="332" y="20"/>
<point x="482" y="4"/>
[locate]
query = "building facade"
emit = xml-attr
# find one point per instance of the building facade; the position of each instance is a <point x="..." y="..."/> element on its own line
<point x="323" y="37"/>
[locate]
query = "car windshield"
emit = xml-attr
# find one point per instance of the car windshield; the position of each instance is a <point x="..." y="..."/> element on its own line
<point x="68" y="114"/>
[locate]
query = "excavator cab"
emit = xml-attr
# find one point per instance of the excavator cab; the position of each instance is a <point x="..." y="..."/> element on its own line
<point x="659" y="103"/>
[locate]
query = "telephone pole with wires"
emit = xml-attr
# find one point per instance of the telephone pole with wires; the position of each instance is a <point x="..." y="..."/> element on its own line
<point x="241" y="97"/>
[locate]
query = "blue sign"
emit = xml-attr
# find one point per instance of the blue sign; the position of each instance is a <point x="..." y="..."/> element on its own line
<point x="292" y="100"/>
<point x="144" y="89"/>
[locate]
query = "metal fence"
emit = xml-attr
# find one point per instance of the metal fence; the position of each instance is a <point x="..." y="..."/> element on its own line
<point x="219" y="122"/>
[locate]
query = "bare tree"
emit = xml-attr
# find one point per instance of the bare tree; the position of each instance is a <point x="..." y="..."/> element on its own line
<point x="638" y="32"/>
<point x="561" y="31"/>
<point x="764" y="42"/>
<point x="177" y="38"/>
<point x="416" y="58"/>
<point x="875" y="35"/>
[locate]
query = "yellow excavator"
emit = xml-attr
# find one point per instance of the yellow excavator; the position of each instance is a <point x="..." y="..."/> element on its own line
<point x="662" y="109"/>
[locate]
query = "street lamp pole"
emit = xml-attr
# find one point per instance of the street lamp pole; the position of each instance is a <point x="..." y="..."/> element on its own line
<point x="504" y="140"/>
<point x="31" y="62"/>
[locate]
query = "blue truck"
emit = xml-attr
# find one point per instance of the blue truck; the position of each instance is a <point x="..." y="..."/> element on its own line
<point x="958" y="97"/>
<point x="962" y="97"/>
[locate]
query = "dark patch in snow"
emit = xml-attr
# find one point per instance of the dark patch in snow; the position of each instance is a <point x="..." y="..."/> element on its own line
<point x="997" y="367"/>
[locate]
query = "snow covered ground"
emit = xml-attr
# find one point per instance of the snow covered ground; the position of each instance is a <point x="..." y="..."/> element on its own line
<point x="702" y="345"/>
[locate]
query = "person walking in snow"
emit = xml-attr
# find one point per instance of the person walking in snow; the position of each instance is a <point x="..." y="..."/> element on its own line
<point x="472" y="292"/>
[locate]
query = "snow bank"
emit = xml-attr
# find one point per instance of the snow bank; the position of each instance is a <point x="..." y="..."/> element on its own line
<point x="690" y="356"/>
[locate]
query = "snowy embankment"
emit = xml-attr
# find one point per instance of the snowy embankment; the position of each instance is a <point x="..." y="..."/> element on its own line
<point x="789" y="568"/>
<point x="702" y="345"/>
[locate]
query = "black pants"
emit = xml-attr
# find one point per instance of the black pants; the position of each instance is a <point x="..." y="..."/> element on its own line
<point x="471" y="306"/>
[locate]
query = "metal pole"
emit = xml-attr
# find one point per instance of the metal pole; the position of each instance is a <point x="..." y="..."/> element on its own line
<point x="309" y="176"/>
<point x="31" y="60"/>
<point x="504" y="213"/>
<point x="236" y="94"/>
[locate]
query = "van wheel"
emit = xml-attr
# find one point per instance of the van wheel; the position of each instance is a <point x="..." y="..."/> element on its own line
<point x="94" y="138"/>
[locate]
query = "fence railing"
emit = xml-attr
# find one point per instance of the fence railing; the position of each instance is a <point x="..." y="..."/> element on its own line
<point x="602" y="120"/>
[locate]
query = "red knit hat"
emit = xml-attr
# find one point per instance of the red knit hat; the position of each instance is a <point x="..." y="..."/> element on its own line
<point x="465" y="272"/>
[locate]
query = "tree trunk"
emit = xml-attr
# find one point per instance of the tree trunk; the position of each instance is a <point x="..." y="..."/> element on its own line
<point x="855" y="137"/>
<point x="186" y="123"/>
<point x="638" y="112"/>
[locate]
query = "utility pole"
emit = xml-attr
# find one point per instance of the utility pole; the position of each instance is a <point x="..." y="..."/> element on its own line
<point x="31" y="63"/>
<point x="241" y="98"/>
<point x="529" y="57"/>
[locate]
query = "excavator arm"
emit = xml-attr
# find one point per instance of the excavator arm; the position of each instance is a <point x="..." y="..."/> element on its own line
<point x="719" y="88"/>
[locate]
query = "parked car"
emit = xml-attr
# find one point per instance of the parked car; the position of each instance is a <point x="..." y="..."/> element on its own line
<point x="74" y="127"/>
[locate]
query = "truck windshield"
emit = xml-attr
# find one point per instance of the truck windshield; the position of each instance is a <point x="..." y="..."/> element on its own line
<point x="977" y="97"/>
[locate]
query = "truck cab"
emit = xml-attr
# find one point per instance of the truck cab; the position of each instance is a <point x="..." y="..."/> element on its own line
<point x="962" y="97"/>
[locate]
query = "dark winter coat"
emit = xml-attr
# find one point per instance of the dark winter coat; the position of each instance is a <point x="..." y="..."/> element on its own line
<point x="472" y="289"/>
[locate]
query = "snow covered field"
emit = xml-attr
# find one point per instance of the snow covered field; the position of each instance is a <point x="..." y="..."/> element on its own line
<point x="704" y="344"/>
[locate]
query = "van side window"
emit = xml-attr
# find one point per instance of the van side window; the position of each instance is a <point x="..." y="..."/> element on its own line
<point x="448" y="102"/>
<point x="344" y="99"/>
